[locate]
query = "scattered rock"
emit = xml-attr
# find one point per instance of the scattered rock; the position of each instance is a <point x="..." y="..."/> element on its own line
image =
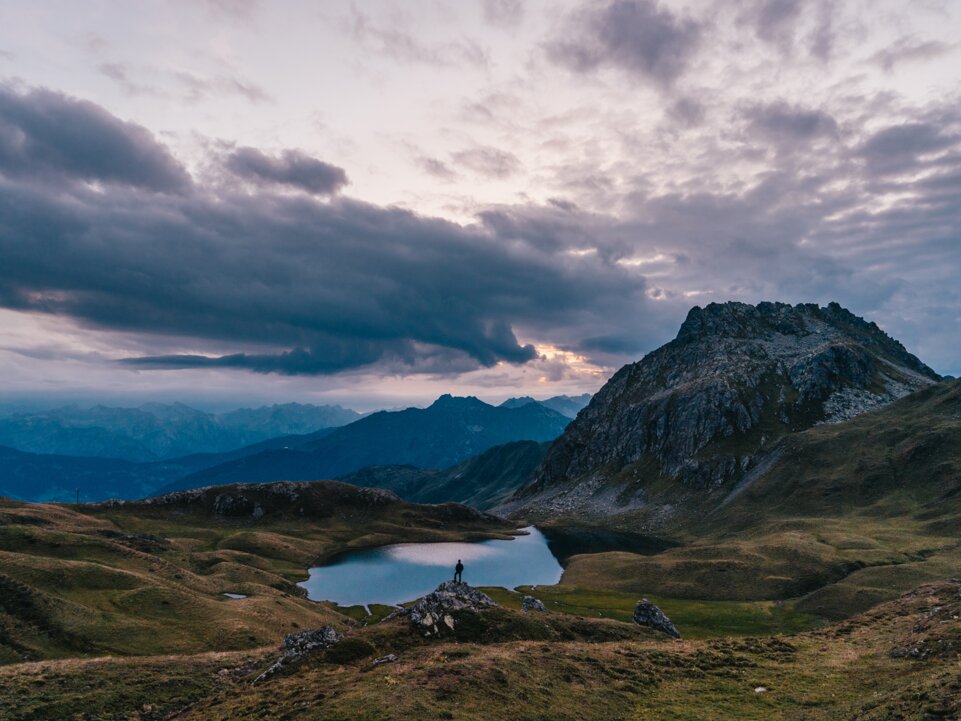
<point x="389" y="658"/>
<point x="432" y="613"/>
<point x="298" y="645"/>
<point x="647" y="614"/>
<point x="532" y="604"/>
<point x="760" y="689"/>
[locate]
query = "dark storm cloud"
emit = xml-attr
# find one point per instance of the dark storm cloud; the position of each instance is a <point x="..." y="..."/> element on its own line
<point x="331" y="286"/>
<point x="295" y="285"/>
<point x="638" y="37"/>
<point x="292" y="168"/>
<point x="274" y="282"/>
<point x="333" y="355"/>
<point x="45" y="134"/>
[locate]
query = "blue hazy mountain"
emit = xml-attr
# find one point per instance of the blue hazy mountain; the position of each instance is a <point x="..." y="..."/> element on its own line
<point x="446" y="433"/>
<point x="156" y="431"/>
<point x="568" y="406"/>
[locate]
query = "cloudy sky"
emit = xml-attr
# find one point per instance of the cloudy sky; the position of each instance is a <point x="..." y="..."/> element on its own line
<point x="372" y="203"/>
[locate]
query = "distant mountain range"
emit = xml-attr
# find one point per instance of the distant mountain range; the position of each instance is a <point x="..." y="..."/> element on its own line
<point x="448" y="432"/>
<point x="442" y="436"/>
<point x="156" y="431"/>
<point x="568" y="406"/>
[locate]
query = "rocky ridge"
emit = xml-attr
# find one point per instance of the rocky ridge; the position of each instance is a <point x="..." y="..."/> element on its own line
<point x="252" y="502"/>
<point x="694" y="416"/>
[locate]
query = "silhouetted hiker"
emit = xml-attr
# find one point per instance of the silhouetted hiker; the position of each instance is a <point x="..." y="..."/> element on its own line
<point x="458" y="570"/>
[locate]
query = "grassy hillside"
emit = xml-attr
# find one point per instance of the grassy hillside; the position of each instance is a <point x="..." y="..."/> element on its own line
<point x="149" y="577"/>
<point x="899" y="661"/>
<point x="483" y="481"/>
<point x="842" y="516"/>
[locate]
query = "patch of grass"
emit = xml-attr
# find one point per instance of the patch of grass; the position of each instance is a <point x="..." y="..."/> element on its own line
<point x="96" y="585"/>
<point x="694" y="619"/>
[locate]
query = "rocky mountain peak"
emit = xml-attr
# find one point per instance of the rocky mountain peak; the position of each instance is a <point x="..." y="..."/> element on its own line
<point x="697" y="413"/>
<point x="447" y="401"/>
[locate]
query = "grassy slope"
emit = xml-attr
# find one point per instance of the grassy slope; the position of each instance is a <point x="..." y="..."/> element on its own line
<point x="482" y="481"/>
<point x="149" y="580"/>
<point x="531" y="668"/>
<point x="849" y="515"/>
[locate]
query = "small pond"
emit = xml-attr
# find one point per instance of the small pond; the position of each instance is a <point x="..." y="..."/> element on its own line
<point x="393" y="574"/>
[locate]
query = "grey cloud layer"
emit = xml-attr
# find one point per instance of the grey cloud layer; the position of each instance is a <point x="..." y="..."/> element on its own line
<point x="636" y="36"/>
<point x="310" y="287"/>
<point x="47" y="135"/>
<point x="293" y="169"/>
<point x="276" y="282"/>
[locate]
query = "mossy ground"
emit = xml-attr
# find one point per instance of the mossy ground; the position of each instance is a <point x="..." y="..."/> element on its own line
<point x="696" y="619"/>
<point x="863" y="668"/>
<point x="89" y="581"/>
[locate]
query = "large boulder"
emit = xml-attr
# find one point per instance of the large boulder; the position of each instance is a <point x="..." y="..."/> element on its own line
<point x="433" y="613"/>
<point x="532" y="604"/>
<point x="647" y="614"/>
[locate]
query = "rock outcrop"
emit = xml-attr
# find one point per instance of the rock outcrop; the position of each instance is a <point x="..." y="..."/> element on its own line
<point x="297" y="646"/>
<point x="434" y="613"/>
<point x="647" y="614"/>
<point x="697" y="414"/>
<point x="533" y="604"/>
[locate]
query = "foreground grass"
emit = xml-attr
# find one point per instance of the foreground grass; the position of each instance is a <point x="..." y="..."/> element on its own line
<point x="695" y="619"/>
<point x="901" y="660"/>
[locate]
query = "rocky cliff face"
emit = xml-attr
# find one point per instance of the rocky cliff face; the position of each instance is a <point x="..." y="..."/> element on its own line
<point x="697" y="414"/>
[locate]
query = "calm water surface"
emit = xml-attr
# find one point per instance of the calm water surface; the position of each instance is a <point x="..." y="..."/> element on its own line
<point x="403" y="572"/>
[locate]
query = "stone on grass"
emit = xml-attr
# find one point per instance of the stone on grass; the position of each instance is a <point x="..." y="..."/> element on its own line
<point x="647" y="614"/>
<point x="532" y="604"/>
<point x="297" y="646"/>
<point x="432" y="614"/>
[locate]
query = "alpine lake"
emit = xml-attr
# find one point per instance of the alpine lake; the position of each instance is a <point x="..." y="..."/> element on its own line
<point x="394" y="574"/>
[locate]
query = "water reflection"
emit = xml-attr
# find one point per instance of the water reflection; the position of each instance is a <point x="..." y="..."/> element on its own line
<point x="403" y="572"/>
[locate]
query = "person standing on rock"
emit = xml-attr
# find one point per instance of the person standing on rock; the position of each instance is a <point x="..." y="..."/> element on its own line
<point x="458" y="572"/>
